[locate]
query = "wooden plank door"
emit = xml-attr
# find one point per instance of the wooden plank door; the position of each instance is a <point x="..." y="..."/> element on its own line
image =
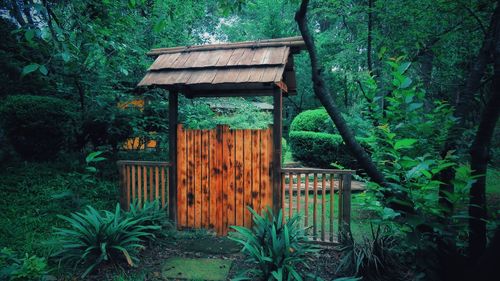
<point x="220" y="172"/>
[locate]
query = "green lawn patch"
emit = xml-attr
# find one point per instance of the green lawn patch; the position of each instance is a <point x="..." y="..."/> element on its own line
<point x="196" y="269"/>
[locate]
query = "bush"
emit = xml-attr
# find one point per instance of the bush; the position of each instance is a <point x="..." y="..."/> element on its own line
<point x="315" y="120"/>
<point x="26" y="268"/>
<point x="276" y="247"/>
<point x="96" y="237"/>
<point x="320" y="150"/>
<point x="37" y="127"/>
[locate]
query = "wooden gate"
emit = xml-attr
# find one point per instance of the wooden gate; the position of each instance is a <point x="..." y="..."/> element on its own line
<point x="220" y="172"/>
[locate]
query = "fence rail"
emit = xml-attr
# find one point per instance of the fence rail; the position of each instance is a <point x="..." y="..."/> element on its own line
<point x="143" y="181"/>
<point x="311" y="193"/>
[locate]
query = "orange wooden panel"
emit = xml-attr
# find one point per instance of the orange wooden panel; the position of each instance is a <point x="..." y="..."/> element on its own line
<point x="212" y="179"/>
<point x="238" y="178"/>
<point x="197" y="178"/>
<point x="270" y="149"/>
<point x="247" y="175"/>
<point x="256" y="171"/>
<point x="190" y="175"/>
<point x="220" y="171"/>
<point x="230" y="191"/>
<point x="205" y="168"/>
<point x="181" y="177"/>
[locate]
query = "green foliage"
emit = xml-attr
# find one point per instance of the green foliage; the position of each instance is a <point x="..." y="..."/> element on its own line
<point x="27" y="268"/>
<point x="323" y="149"/>
<point x="274" y="246"/>
<point x="37" y="127"/>
<point x="96" y="237"/>
<point x="150" y="214"/>
<point x="371" y="258"/>
<point x="314" y="120"/>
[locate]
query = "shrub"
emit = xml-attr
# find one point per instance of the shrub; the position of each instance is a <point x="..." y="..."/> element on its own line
<point x="95" y="237"/>
<point x="276" y="247"/>
<point x="315" y="120"/>
<point x="26" y="268"/>
<point x="322" y="149"/>
<point x="150" y="213"/>
<point x="37" y="127"/>
<point x="371" y="258"/>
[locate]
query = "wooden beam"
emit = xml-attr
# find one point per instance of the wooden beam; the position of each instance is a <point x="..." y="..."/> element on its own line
<point x="277" y="131"/>
<point x="173" y="108"/>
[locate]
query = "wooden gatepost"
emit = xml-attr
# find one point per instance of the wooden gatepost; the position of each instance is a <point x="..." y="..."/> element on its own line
<point x="214" y="174"/>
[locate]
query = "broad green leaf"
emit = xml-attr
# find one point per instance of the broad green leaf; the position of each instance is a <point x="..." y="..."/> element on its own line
<point x="43" y="70"/>
<point x="403" y="67"/>
<point x="406" y="83"/>
<point x="404" y="143"/>
<point x="29" y="68"/>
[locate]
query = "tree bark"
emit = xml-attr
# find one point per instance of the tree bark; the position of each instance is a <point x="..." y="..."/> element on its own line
<point x="327" y="101"/>
<point x="479" y="153"/>
<point x="463" y="107"/>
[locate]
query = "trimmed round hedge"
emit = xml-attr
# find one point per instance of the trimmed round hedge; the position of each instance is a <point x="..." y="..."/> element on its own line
<point x="320" y="150"/>
<point x="37" y="126"/>
<point x="314" y="120"/>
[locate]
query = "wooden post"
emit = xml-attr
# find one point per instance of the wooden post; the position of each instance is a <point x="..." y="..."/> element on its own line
<point x="173" y="104"/>
<point x="345" y="204"/>
<point x="277" y="130"/>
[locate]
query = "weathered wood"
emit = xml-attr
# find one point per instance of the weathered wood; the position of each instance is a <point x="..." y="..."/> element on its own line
<point x="143" y="163"/>
<point x="191" y="175"/>
<point x="219" y="171"/>
<point x="346" y="203"/>
<point x="299" y="183"/>
<point x="315" y="206"/>
<point x="265" y="173"/>
<point x="139" y="185"/>
<point x="212" y="179"/>
<point x="238" y="178"/>
<point x="317" y="171"/>
<point x="173" y="107"/>
<point x="323" y="206"/>
<point x="205" y="200"/>
<point x="256" y="162"/>
<point x="332" y="195"/>
<point x="163" y="187"/>
<point x="181" y="177"/>
<point x="127" y="185"/>
<point x="306" y="194"/>
<point x="145" y="184"/>
<point x="247" y="177"/>
<point x="283" y="210"/>
<point x="197" y="179"/>
<point x="133" y="181"/>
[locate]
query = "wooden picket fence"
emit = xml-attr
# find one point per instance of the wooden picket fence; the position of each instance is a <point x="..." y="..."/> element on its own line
<point x="311" y="193"/>
<point x="143" y="181"/>
<point x="322" y="197"/>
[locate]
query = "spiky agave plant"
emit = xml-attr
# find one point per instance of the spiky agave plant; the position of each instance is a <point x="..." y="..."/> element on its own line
<point x="94" y="237"/>
<point x="276" y="246"/>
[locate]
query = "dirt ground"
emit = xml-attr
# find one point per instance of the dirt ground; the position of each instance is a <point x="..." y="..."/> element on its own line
<point x="321" y="264"/>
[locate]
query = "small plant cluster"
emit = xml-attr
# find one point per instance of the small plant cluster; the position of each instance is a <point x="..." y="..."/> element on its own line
<point x="26" y="268"/>
<point x="97" y="237"/>
<point x="372" y="257"/>
<point x="277" y="247"/>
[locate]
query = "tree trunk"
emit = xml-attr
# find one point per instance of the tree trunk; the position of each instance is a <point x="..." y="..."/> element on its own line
<point x="479" y="153"/>
<point x="463" y="107"/>
<point x="327" y="101"/>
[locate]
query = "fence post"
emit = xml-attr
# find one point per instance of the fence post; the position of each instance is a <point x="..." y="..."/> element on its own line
<point x="173" y="104"/>
<point x="345" y="205"/>
<point x="277" y="131"/>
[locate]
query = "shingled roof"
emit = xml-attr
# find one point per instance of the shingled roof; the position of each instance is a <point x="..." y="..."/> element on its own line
<point x="255" y="67"/>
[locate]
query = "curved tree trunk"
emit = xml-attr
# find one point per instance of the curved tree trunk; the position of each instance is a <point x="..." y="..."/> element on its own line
<point x="463" y="106"/>
<point x="479" y="153"/>
<point x="327" y="101"/>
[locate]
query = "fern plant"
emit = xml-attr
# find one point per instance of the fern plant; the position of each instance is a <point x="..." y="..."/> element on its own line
<point x="95" y="237"/>
<point x="274" y="245"/>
